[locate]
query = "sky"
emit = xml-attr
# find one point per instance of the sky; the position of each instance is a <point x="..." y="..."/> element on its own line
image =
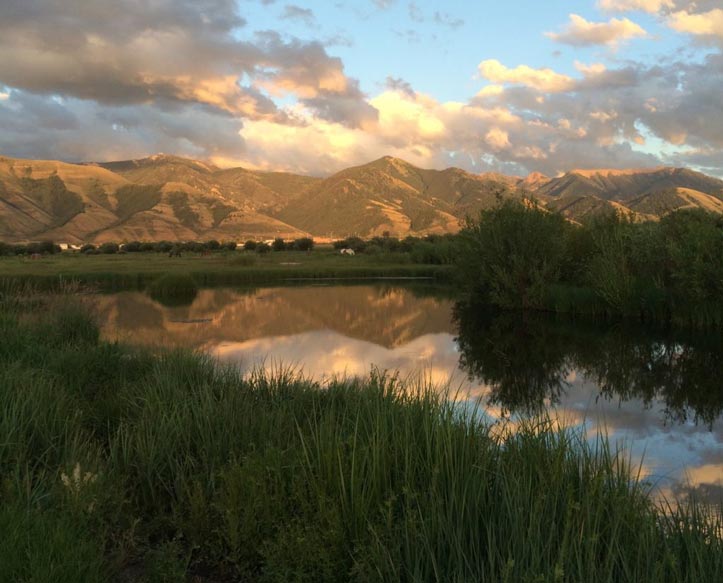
<point x="514" y="86"/>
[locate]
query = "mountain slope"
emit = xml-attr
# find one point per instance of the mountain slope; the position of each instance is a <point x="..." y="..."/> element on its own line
<point x="625" y="185"/>
<point x="665" y="201"/>
<point x="75" y="203"/>
<point x="392" y="195"/>
<point x="171" y="198"/>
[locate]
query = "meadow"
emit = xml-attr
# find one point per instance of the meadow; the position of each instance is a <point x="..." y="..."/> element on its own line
<point x="131" y="465"/>
<point x="138" y="270"/>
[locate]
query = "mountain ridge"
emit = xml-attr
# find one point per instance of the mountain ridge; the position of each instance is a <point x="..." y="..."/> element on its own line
<point x="167" y="197"/>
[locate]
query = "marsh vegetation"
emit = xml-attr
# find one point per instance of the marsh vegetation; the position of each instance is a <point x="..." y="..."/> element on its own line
<point x="121" y="462"/>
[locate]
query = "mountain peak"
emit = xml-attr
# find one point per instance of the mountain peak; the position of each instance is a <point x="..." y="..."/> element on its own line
<point x="390" y="162"/>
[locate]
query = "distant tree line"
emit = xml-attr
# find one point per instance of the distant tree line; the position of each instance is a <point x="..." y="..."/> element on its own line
<point x="110" y="248"/>
<point x="41" y="248"/>
<point x="279" y="244"/>
<point x="430" y="250"/>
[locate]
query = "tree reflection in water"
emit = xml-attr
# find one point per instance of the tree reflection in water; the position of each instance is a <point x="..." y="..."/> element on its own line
<point x="526" y="358"/>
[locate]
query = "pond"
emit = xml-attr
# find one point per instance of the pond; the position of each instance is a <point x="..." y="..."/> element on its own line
<point x="658" y="394"/>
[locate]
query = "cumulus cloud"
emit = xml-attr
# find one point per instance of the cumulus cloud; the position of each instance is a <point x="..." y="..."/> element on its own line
<point x="651" y="6"/>
<point x="79" y="130"/>
<point x="107" y="80"/>
<point x="125" y="52"/>
<point x="706" y="24"/>
<point x="580" y="32"/>
<point x="542" y="79"/>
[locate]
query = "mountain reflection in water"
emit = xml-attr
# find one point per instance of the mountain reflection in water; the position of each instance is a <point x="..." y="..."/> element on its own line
<point x="659" y="393"/>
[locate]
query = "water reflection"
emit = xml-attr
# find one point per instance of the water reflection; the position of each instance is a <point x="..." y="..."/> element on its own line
<point x="658" y="393"/>
<point x="528" y="361"/>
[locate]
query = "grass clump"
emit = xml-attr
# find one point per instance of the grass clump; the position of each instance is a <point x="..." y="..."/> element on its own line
<point x="168" y="465"/>
<point x="174" y="289"/>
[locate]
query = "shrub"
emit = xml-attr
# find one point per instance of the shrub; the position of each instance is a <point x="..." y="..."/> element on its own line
<point x="193" y="247"/>
<point x="250" y="245"/>
<point x="213" y="245"/>
<point x="44" y="248"/>
<point x="355" y="243"/>
<point x="263" y="248"/>
<point x="303" y="244"/>
<point x="279" y="244"/>
<point x="132" y="247"/>
<point x="164" y="246"/>
<point x="230" y="246"/>
<point x="512" y="253"/>
<point x="109" y="248"/>
<point x="441" y="252"/>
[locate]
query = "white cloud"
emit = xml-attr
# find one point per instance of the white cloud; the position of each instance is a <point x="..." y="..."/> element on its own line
<point x="651" y="6"/>
<point x="591" y="69"/>
<point x="705" y="24"/>
<point x="580" y="32"/>
<point x="498" y="139"/>
<point x="541" y="79"/>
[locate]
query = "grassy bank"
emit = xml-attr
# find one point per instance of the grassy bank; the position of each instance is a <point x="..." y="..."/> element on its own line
<point x="119" y="464"/>
<point x="136" y="270"/>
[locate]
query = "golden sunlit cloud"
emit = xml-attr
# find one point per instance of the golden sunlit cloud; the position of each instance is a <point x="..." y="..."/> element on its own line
<point x="705" y="24"/>
<point x="580" y="32"/>
<point x="545" y="80"/>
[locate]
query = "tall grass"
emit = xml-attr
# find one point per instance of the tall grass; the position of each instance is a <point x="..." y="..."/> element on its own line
<point x="116" y="461"/>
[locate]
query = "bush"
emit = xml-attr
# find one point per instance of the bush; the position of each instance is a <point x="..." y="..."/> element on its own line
<point x="512" y="253"/>
<point x="355" y="243"/>
<point x="279" y="244"/>
<point x="263" y="248"/>
<point x="193" y="247"/>
<point x="441" y="252"/>
<point x="230" y="246"/>
<point x="213" y="245"/>
<point x="132" y="247"/>
<point x="108" y="248"/>
<point x="303" y="244"/>
<point x="164" y="246"/>
<point x="43" y="248"/>
<point x="250" y="245"/>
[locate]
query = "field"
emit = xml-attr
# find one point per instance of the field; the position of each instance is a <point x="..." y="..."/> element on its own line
<point x="136" y="270"/>
<point x="120" y="464"/>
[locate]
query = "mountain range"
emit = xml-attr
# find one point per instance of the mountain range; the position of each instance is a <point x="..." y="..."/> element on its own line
<point x="172" y="198"/>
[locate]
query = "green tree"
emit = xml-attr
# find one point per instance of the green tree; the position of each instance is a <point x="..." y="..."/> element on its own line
<point x="512" y="253"/>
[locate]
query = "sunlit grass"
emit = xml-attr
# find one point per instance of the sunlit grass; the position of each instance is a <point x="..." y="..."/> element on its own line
<point x="138" y="270"/>
<point x="114" y="458"/>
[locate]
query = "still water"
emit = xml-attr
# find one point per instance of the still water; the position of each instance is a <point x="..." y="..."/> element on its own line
<point x="659" y="395"/>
